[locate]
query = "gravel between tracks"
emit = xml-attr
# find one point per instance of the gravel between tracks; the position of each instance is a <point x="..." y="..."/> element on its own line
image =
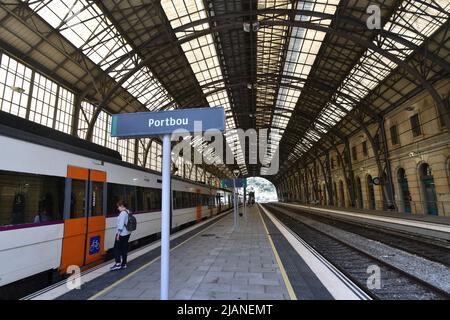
<point x="432" y="272"/>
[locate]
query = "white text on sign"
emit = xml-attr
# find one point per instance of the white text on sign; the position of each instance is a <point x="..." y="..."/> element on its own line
<point x="168" y="122"/>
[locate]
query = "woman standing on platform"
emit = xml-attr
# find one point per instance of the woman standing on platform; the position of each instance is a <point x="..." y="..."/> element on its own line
<point x="122" y="237"/>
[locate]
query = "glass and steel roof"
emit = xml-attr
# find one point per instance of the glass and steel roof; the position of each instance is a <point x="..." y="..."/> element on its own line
<point x="299" y="68"/>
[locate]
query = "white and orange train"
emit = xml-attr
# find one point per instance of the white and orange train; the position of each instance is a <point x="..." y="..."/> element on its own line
<point x="58" y="196"/>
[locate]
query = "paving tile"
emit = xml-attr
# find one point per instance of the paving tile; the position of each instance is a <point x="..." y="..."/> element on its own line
<point x="219" y="287"/>
<point x="124" y="293"/>
<point x="248" y="288"/>
<point x="262" y="281"/>
<point x="248" y="275"/>
<point x="184" y="294"/>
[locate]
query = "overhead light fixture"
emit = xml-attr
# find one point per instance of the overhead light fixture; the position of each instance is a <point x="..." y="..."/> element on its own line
<point x="17" y="89"/>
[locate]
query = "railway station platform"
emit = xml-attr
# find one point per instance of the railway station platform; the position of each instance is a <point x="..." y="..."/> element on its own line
<point x="213" y="260"/>
<point x="217" y="263"/>
<point x="277" y="252"/>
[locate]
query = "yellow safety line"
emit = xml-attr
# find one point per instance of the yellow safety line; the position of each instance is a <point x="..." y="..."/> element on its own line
<point x="146" y="265"/>
<point x="280" y="264"/>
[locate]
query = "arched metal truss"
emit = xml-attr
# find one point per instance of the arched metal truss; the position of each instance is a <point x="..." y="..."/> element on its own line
<point x="153" y="53"/>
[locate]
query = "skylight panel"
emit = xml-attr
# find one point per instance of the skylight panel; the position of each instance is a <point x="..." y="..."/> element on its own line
<point x="200" y="52"/>
<point x="303" y="46"/>
<point x="87" y="28"/>
<point x="415" y="21"/>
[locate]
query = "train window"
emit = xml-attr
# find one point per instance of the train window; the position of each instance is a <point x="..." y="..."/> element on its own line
<point x="174" y="200"/>
<point x="194" y="199"/>
<point x="118" y="192"/>
<point x="186" y="200"/>
<point x="29" y="198"/>
<point x="143" y="199"/>
<point x="204" y="200"/>
<point x="148" y="199"/>
<point x="211" y="201"/>
<point x="78" y="199"/>
<point x="157" y="199"/>
<point x="97" y="199"/>
<point x="177" y="200"/>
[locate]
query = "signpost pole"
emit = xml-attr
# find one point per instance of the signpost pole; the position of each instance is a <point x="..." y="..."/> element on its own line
<point x="165" y="218"/>
<point x="147" y="124"/>
<point x="245" y="203"/>
<point x="234" y="204"/>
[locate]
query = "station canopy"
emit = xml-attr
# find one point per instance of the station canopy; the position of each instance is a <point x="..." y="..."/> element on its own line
<point x="312" y="72"/>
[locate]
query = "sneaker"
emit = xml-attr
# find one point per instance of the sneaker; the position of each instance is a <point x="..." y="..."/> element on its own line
<point x="123" y="267"/>
<point x="117" y="266"/>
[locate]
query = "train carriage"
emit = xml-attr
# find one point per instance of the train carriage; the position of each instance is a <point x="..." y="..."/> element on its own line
<point x="58" y="196"/>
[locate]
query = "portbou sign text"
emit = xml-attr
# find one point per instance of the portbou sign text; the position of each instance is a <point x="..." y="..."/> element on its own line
<point x="145" y="124"/>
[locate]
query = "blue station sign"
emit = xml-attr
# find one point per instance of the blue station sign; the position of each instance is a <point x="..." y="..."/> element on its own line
<point x="145" y="124"/>
<point x="228" y="183"/>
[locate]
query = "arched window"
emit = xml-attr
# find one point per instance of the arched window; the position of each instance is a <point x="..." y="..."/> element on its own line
<point x="428" y="189"/>
<point x="359" y="193"/>
<point x="405" y="196"/>
<point x="371" y="192"/>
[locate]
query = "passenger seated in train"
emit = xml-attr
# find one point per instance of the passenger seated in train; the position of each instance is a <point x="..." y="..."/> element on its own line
<point x="41" y="216"/>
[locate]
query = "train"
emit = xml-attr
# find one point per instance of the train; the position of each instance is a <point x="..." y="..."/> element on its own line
<point x="58" y="196"/>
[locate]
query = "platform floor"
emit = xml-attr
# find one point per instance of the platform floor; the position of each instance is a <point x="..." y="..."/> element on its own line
<point x="444" y="220"/>
<point x="217" y="263"/>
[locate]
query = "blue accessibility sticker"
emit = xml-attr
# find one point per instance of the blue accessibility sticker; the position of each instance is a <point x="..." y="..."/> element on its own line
<point x="94" y="245"/>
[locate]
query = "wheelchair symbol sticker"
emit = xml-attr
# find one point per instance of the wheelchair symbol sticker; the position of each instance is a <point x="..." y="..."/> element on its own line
<point x="94" y="245"/>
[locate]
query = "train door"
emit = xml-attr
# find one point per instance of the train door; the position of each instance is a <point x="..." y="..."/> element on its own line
<point x="84" y="219"/>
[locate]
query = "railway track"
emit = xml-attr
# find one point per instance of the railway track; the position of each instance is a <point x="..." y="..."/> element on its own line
<point x="354" y="263"/>
<point x="430" y="251"/>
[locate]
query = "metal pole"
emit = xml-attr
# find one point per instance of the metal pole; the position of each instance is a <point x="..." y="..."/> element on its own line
<point x="245" y="204"/>
<point x="165" y="218"/>
<point x="234" y="204"/>
<point x="237" y="208"/>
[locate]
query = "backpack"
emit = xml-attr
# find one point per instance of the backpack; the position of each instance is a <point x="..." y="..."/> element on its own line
<point x="131" y="224"/>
